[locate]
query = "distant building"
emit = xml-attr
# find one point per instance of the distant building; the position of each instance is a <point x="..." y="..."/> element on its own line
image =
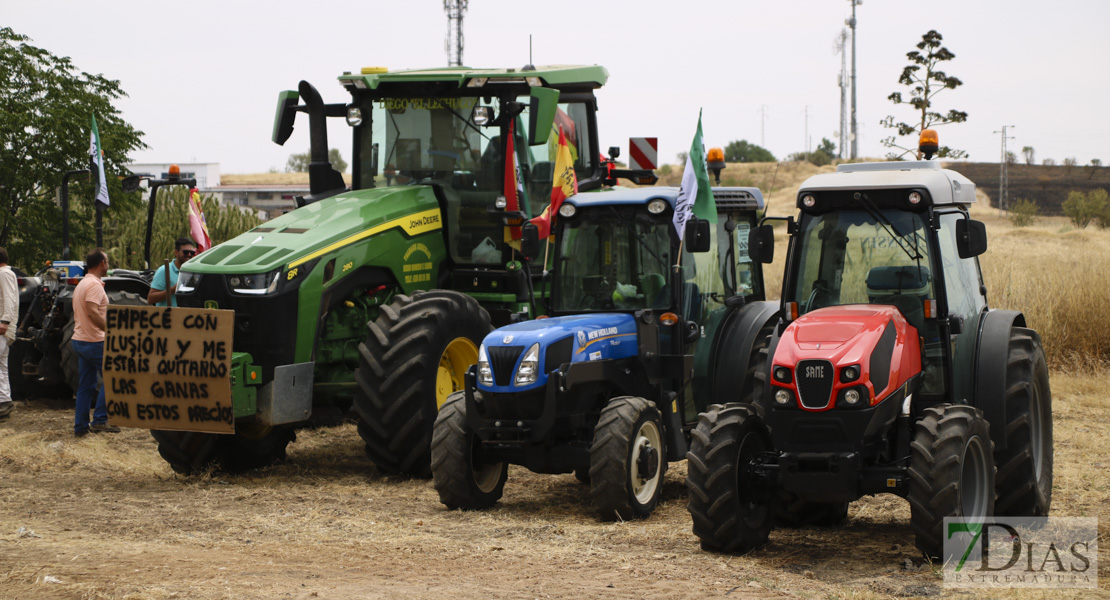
<point x="270" y="194"/>
<point x="206" y="174"/>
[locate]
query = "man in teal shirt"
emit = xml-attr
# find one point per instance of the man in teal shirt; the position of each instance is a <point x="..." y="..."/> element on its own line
<point x="184" y="249"/>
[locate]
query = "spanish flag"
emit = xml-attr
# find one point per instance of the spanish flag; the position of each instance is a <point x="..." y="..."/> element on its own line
<point x="198" y="227"/>
<point x="564" y="185"/>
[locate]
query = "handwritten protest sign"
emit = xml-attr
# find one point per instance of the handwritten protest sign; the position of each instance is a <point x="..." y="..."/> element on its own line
<point x="169" y="368"/>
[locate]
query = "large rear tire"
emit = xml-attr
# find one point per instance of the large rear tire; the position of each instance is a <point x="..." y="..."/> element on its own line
<point x="627" y="459"/>
<point x="250" y="447"/>
<point x="415" y="355"/>
<point x="730" y="513"/>
<point x="749" y="386"/>
<point x="1024" y="482"/>
<point x="951" y="472"/>
<point x="462" y="478"/>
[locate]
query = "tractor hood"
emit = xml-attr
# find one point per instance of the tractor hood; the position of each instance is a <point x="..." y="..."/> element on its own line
<point x="316" y="229"/>
<point x="814" y="354"/>
<point x="560" y="340"/>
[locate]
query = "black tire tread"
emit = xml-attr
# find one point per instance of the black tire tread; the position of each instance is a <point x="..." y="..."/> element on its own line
<point x="1019" y="491"/>
<point x="452" y="453"/>
<point x="935" y="470"/>
<point x="396" y="375"/>
<point x="191" y="452"/>
<point x="715" y="502"/>
<point x="609" y="476"/>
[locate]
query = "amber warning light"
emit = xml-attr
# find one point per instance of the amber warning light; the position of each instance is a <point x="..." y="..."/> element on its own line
<point x="929" y="143"/>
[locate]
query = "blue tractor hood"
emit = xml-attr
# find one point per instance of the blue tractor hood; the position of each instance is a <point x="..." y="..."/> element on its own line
<point x="578" y="338"/>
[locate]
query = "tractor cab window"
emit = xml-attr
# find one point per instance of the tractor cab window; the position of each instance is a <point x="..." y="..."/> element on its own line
<point x="613" y="259"/>
<point x="851" y="257"/>
<point x="432" y="141"/>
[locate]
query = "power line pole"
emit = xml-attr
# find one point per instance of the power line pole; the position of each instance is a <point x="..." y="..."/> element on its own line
<point x="455" y="10"/>
<point x="855" y="130"/>
<point x="805" y="148"/>
<point x="763" y="126"/>
<point x="842" y="47"/>
<point x="1003" y="172"/>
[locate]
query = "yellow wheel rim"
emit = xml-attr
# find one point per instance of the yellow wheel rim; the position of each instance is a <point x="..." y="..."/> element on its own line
<point x="453" y="363"/>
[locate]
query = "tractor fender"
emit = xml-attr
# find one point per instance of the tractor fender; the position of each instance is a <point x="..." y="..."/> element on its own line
<point x="991" y="354"/>
<point x="725" y="365"/>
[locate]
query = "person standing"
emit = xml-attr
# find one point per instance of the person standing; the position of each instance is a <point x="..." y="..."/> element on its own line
<point x="9" y="315"/>
<point x="90" y="316"/>
<point x="184" y="249"/>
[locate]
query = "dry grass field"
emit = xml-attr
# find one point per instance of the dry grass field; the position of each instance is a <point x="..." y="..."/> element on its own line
<point x="103" y="517"/>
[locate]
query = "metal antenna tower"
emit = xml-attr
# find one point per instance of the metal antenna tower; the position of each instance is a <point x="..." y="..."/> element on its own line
<point x="455" y="10"/>
<point x="1004" y="172"/>
<point x="842" y="48"/>
<point x="855" y="130"/>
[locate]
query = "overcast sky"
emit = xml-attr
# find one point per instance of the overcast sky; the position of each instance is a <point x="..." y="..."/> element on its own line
<point x="203" y="76"/>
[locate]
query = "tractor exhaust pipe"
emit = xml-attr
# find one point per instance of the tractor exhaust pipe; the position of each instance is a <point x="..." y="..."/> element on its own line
<point x="323" y="180"/>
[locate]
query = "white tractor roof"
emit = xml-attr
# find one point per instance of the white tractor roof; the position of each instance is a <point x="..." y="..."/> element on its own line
<point x="944" y="185"/>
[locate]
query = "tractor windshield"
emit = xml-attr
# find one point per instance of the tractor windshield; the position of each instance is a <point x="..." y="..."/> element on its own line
<point x="852" y="257"/>
<point x="613" y="259"/>
<point x="433" y="140"/>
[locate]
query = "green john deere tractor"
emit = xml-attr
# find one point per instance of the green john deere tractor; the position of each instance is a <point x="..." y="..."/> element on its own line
<point x="379" y="295"/>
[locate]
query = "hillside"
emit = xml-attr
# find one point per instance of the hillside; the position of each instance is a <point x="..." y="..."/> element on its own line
<point x="1047" y="186"/>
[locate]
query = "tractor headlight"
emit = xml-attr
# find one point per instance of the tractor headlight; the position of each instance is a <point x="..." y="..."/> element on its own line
<point x="849" y="373"/>
<point x="782" y="374"/>
<point x="485" y="375"/>
<point x="257" y="284"/>
<point x="809" y="201"/>
<point x="782" y="397"/>
<point x="187" y="282"/>
<point x="529" y="366"/>
<point x="851" y="397"/>
<point x="567" y="210"/>
<point x="657" y="206"/>
<point x="354" y="116"/>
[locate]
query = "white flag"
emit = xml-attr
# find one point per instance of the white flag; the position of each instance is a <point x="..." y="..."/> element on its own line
<point x="97" y="156"/>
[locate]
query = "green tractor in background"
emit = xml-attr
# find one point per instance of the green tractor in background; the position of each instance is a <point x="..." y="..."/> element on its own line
<point x="379" y="295"/>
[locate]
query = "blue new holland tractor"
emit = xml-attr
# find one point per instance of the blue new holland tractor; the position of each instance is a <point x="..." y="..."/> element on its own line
<point x="610" y="384"/>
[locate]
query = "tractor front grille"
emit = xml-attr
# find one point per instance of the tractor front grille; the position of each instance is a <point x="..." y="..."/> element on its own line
<point x="815" y="382"/>
<point x="502" y="359"/>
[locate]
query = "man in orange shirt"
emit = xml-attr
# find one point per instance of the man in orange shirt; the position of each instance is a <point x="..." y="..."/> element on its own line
<point x="90" y="316"/>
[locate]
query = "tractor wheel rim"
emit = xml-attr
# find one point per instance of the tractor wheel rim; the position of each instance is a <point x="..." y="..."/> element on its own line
<point x="973" y="491"/>
<point x="1038" y="428"/>
<point x="753" y="511"/>
<point x="486" y="476"/>
<point x="457" y="357"/>
<point x="645" y="484"/>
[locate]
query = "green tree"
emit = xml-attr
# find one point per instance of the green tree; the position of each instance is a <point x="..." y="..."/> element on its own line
<point x="298" y="163"/>
<point x="828" y="147"/>
<point x="1023" y="213"/>
<point x="742" y="151"/>
<point x="46" y="108"/>
<point x="925" y="79"/>
<point x="1028" y="152"/>
<point x="1083" y="208"/>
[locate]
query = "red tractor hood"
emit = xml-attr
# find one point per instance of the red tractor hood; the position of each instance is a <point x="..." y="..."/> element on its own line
<point x="817" y="346"/>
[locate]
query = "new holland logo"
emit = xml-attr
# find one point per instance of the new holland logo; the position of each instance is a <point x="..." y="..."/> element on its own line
<point x="507" y="339"/>
<point x="211" y="304"/>
<point x="581" y="338"/>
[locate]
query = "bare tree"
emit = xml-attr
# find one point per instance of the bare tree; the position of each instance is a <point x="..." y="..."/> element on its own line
<point x="925" y="80"/>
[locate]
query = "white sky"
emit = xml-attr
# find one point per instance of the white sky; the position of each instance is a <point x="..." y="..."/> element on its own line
<point x="203" y="76"/>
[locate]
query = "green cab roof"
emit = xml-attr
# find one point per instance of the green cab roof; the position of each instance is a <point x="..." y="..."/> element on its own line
<point x="550" y="75"/>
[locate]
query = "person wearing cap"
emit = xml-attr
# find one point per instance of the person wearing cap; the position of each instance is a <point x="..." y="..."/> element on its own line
<point x="90" y="321"/>
<point x="9" y="313"/>
<point x="184" y="249"/>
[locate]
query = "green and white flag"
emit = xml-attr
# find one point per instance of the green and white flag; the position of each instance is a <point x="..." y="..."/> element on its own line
<point x="96" y="155"/>
<point x="695" y="196"/>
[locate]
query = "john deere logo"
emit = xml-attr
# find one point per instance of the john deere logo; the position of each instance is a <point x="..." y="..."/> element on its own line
<point x="211" y="304"/>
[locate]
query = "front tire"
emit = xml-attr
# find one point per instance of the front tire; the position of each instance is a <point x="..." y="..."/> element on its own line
<point x="730" y="513"/>
<point x="415" y="355"/>
<point x="627" y="459"/>
<point x="461" y="476"/>
<point x="191" y="452"/>
<point x="951" y="472"/>
<point x="1024" y="482"/>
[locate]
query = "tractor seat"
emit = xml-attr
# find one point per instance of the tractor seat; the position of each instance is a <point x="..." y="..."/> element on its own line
<point x="904" y="287"/>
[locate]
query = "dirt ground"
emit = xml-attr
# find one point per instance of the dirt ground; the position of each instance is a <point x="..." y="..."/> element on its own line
<point x="104" y="517"/>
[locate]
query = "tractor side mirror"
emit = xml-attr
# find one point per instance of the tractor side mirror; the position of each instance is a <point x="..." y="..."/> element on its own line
<point x="131" y="183"/>
<point x="529" y="240"/>
<point x="697" y="235"/>
<point x="971" y="238"/>
<point x="541" y="114"/>
<point x="761" y="244"/>
<point x="283" y="119"/>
